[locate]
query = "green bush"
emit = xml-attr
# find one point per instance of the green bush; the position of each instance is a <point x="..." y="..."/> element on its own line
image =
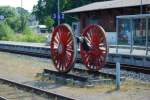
<point x="30" y="36"/>
<point x="14" y="23"/>
<point x="6" y="33"/>
<point x="33" y="38"/>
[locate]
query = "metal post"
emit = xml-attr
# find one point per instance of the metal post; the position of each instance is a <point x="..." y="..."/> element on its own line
<point x="117" y="75"/>
<point x="58" y="12"/>
<point x="131" y="44"/>
<point x="146" y="36"/>
<point x="141" y="7"/>
<point x="117" y="35"/>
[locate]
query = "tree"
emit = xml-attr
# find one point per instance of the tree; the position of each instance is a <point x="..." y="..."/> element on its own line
<point x="46" y="8"/>
<point x="7" y="11"/>
<point x="23" y="17"/>
<point x="20" y="11"/>
<point x="14" y="23"/>
<point x="49" y="22"/>
<point x="39" y="11"/>
<point x="13" y="17"/>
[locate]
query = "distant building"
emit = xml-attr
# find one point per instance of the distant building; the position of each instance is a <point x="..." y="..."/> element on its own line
<point x="42" y="29"/>
<point x="32" y="21"/>
<point x="2" y="17"/>
<point x="104" y="13"/>
<point x="34" y="24"/>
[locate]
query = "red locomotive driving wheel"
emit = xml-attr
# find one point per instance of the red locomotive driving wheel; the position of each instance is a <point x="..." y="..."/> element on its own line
<point x="63" y="50"/>
<point x="94" y="56"/>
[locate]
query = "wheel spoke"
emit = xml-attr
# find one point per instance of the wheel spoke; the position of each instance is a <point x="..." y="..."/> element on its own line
<point x="89" y="36"/>
<point x="69" y="42"/>
<point x="69" y="50"/>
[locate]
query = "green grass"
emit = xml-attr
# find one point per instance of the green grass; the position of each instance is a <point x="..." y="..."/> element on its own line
<point x="8" y="34"/>
<point x="27" y="38"/>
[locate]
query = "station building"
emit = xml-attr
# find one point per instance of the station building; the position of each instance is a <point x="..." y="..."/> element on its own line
<point x="104" y="14"/>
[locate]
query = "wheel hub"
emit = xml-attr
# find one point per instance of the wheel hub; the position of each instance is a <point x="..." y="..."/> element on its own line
<point x="60" y="48"/>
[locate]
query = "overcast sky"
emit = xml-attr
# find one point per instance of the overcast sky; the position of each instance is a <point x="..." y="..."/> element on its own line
<point x="27" y="4"/>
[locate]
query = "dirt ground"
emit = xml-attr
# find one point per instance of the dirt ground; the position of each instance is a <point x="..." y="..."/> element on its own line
<point x="24" y="68"/>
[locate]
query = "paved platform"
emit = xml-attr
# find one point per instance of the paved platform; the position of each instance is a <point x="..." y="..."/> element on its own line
<point x="24" y="44"/>
<point x="139" y="51"/>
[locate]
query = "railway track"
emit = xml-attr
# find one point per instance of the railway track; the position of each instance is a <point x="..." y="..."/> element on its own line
<point x="81" y="75"/>
<point x="138" y="69"/>
<point x="32" y="89"/>
<point x="2" y="98"/>
<point x="94" y="73"/>
<point x="132" y="68"/>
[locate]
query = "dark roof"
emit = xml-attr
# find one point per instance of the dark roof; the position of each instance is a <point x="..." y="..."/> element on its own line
<point x="108" y="5"/>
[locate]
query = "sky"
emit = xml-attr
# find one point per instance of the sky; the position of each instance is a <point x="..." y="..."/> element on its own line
<point x="27" y="4"/>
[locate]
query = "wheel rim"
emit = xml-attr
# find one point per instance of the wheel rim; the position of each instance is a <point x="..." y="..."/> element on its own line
<point x="63" y="48"/>
<point x="95" y="57"/>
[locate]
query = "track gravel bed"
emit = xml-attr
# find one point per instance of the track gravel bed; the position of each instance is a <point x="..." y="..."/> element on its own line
<point x="129" y="74"/>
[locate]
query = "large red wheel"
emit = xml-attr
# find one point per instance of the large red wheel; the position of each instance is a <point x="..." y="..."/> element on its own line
<point x="95" y="57"/>
<point x="63" y="48"/>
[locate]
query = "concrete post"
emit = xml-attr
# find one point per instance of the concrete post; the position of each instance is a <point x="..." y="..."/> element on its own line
<point x="132" y="41"/>
<point x="147" y="35"/>
<point x="117" y="31"/>
<point x="117" y="75"/>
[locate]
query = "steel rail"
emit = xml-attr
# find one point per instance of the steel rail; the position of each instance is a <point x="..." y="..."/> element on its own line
<point x="2" y="98"/>
<point x="77" y="76"/>
<point x="66" y="75"/>
<point x="35" y="90"/>
<point x="96" y="73"/>
<point x="137" y="69"/>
